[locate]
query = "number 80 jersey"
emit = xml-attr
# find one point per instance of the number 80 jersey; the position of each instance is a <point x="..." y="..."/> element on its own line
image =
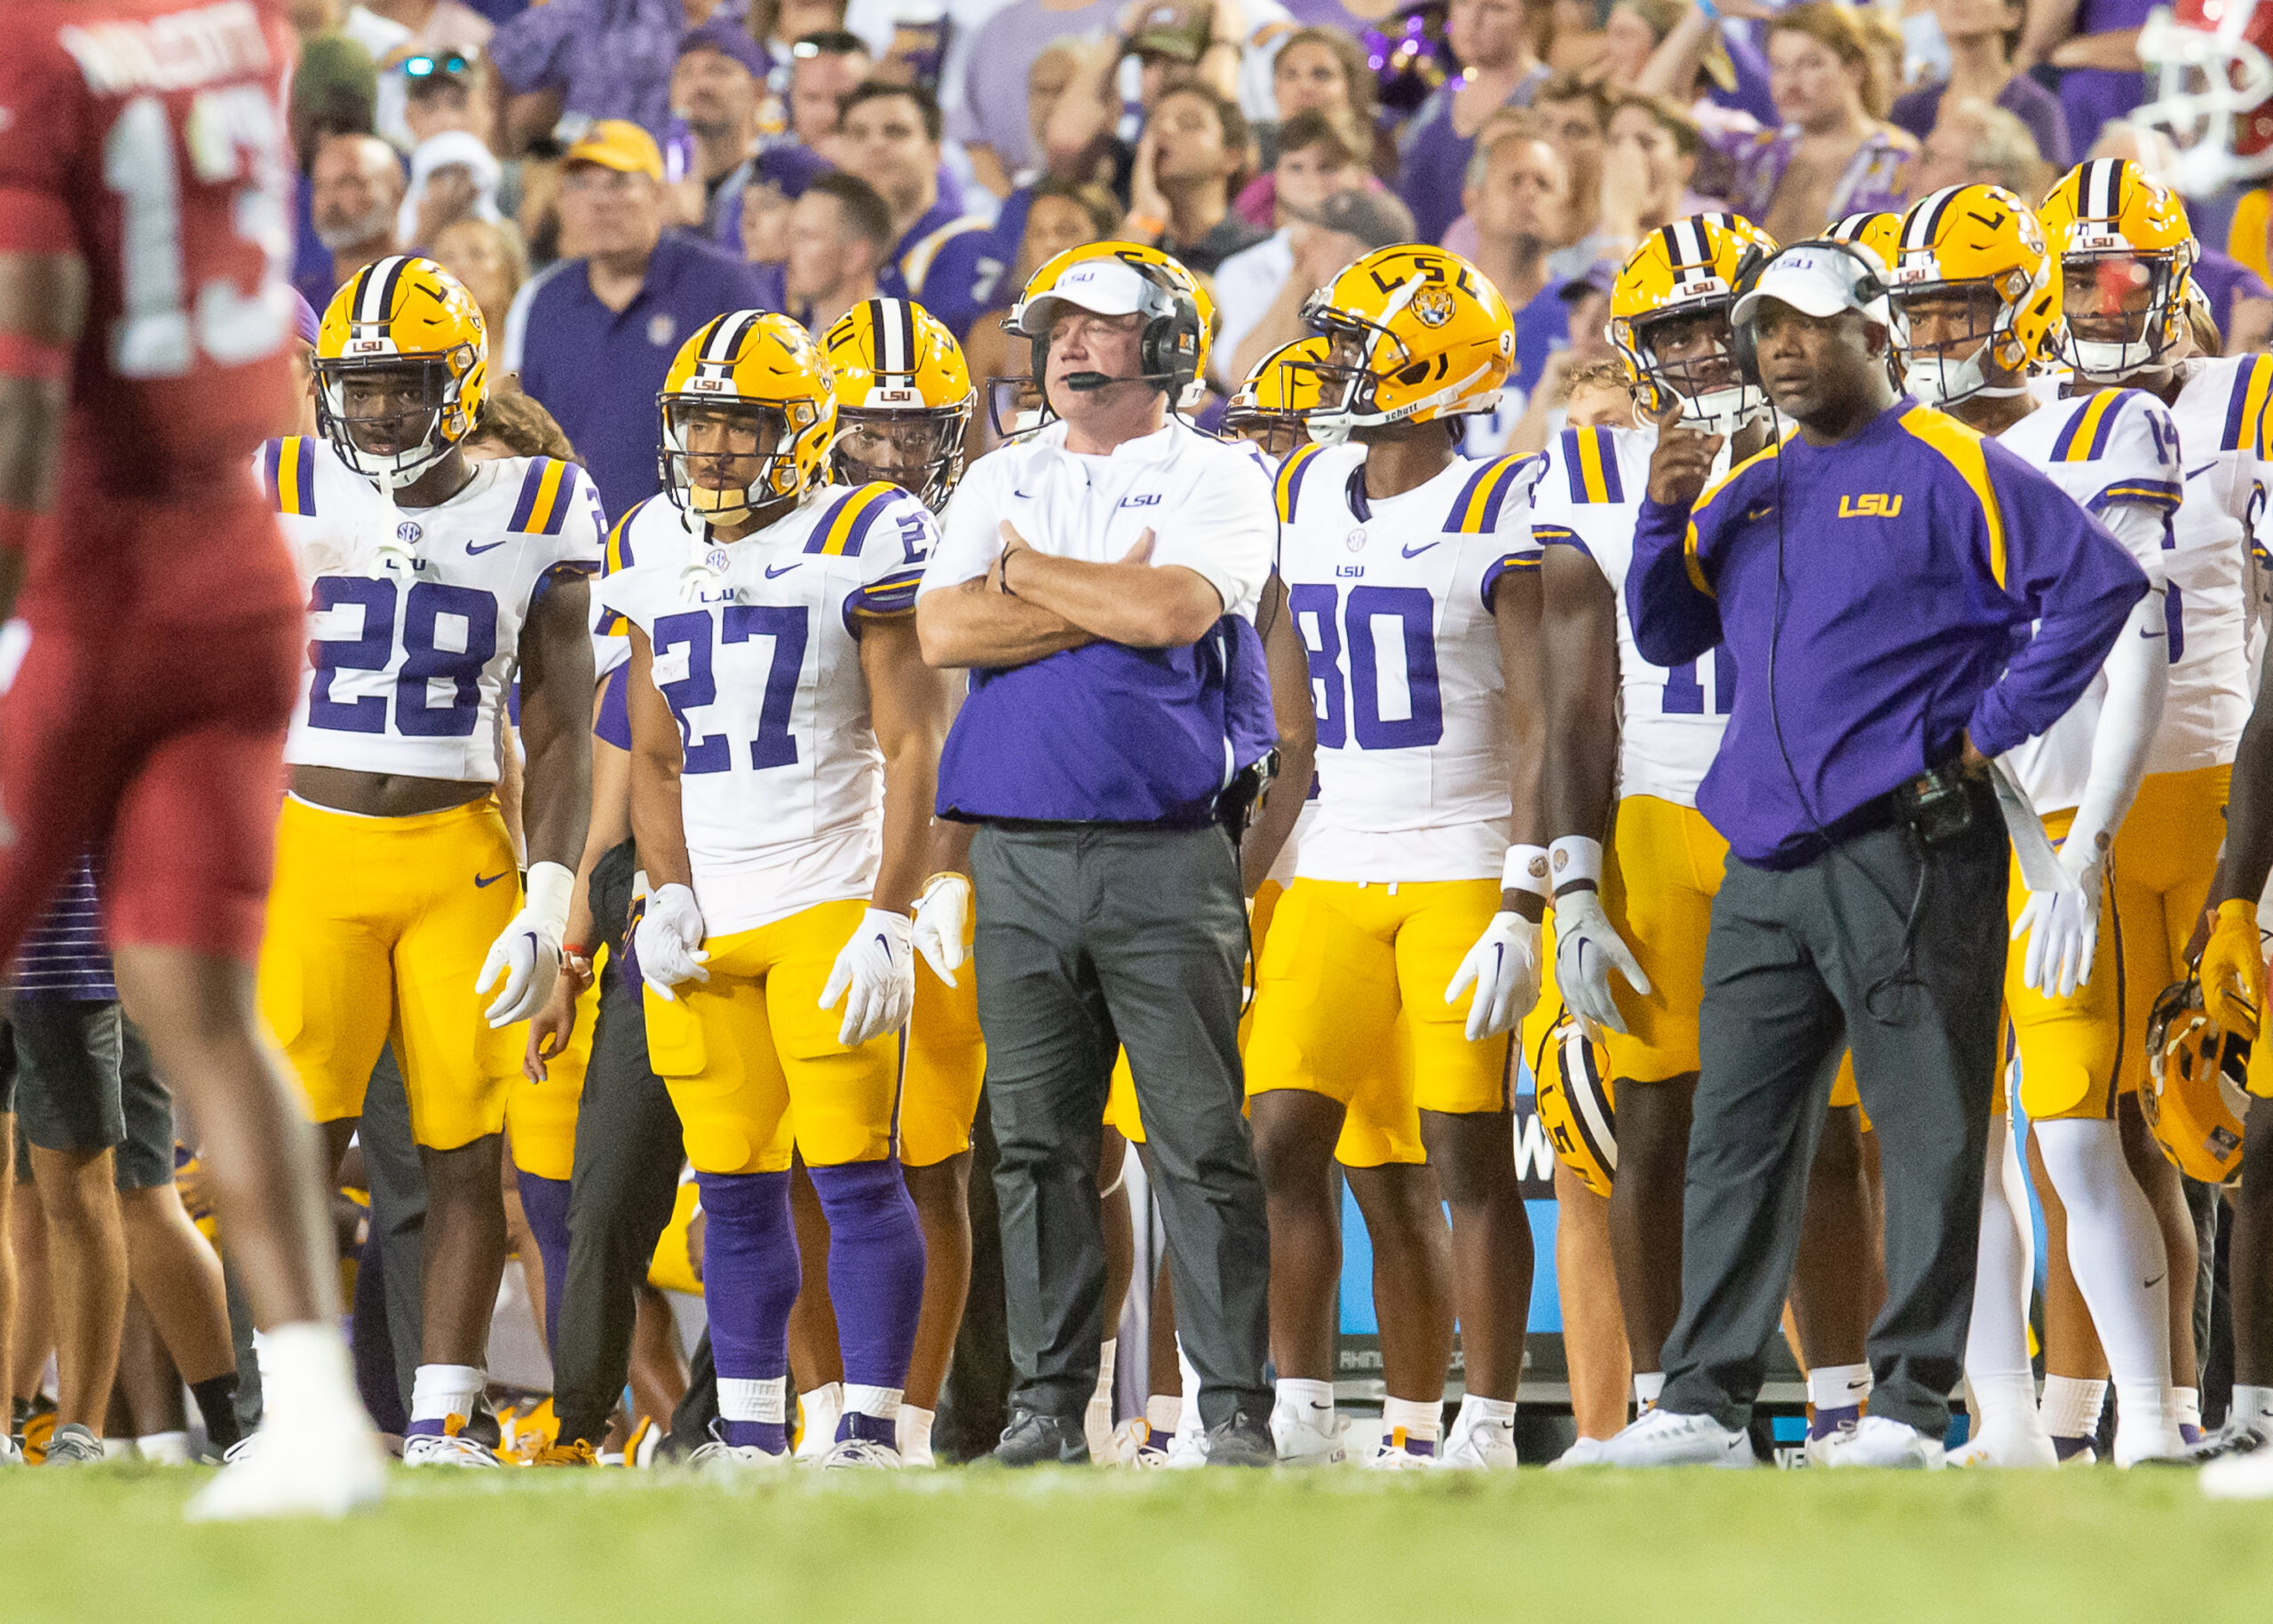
<point x="756" y="650"/>
<point x="1392" y="600"/>
<point x="416" y="613"/>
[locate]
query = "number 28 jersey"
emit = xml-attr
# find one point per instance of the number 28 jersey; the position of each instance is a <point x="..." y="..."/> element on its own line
<point x="756" y="650"/>
<point x="1670" y="721"/>
<point x="1393" y="602"/>
<point x="416" y="613"/>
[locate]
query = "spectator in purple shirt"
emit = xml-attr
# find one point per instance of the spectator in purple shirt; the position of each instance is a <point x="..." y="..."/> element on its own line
<point x="888" y="136"/>
<point x="1981" y="34"/>
<point x="716" y="87"/>
<point x="595" y="59"/>
<point x="1493" y="37"/>
<point x="992" y="121"/>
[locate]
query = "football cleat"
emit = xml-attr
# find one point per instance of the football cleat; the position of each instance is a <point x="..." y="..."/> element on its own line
<point x="1135" y="1445"/>
<point x="1479" y="1445"/>
<point x="445" y="1449"/>
<point x="327" y="1471"/>
<point x="2024" y="1446"/>
<point x="1401" y="1453"/>
<point x="1301" y="1441"/>
<point x="853" y="1453"/>
<point x="1663" y="1437"/>
<point x="2076" y="1451"/>
<point x="11" y="1452"/>
<point x="645" y="1447"/>
<point x="819" y="1411"/>
<point x="74" y="1445"/>
<point x="576" y="1452"/>
<point x="719" y="1459"/>
<point x="2242" y="1477"/>
<point x="1876" y="1440"/>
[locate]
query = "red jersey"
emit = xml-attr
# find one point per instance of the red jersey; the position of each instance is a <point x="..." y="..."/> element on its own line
<point x="148" y="137"/>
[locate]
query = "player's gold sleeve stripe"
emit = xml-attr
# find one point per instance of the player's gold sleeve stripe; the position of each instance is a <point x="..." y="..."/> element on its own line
<point x="1695" y="564"/>
<point x="613" y="560"/>
<point x="2085" y="434"/>
<point x="2252" y="406"/>
<point x="291" y="460"/>
<point x="1483" y="503"/>
<point x="1960" y="448"/>
<point x="1290" y="480"/>
<point x="840" y="529"/>
<point x="1590" y="474"/>
<point x="548" y="496"/>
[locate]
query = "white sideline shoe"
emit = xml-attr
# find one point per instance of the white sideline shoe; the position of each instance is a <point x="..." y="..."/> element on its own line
<point x="1582" y="1452"/>
<point x="311" y="1472"/>
<point x="1481" y="1446"/>
<point x="1303" y="1444"/>
<point x="1876" y="1440"/>
<point x="429" y="1449"/>
<point x="1663" y="1439"/>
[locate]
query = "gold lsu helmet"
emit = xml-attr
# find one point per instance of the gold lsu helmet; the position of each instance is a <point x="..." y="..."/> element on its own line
<point x="2196" y="1098"/>
<point x="1279" y="395"/>
<point x="902" y="397"/>
<point x="1415" y="335"/>
<point x="2117" y="234"/>
<point x="1877" y="231"/>
<point x="1166" y="271"/>
<point x="397" y="315"/>
<point x="1982" y="244"/>
<point x="1678" y="273"/>
<point x="762" y="366"/>
<point x="1577" y="1104"/>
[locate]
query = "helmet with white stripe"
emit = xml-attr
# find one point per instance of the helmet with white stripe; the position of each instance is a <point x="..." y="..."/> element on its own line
<point x="1975" y="296"/>
<point x="402" y="367"/>
<point x="2127" y="254"/>
<point x="902" y="397"/>
<point x="749" y="411"/>
<point x="1669" y="320"/>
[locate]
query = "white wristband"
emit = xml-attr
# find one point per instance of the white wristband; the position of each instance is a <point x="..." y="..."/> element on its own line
<point x="551" y="888"/>
<point x="1575" y="860"/>
<point x="1526" y="870"/>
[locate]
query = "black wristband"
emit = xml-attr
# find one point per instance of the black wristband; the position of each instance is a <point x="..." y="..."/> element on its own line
<point x="1004" y="574"/>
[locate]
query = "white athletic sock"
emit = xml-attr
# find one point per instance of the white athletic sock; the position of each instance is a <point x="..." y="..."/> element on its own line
<point x="1108" y="1352"/>
<point x="164" y="1449"/>
<point x="440" y="1392"/>
<point x="1162" y="1411"/>
<point x="1647" y="1385"/>
<point x="307" y="1377"/>
<point x="1839" y="1387"/>
<point x="2072" y="1406"/>
<point x="914" y="1426"/>
<point x="1187" y="1421"/>
<point x="1096" y="1418"/>
<point x="1313" y="1401"/>
<point x="741" y="1399"/>
<point x="882" y="1403"/>
<point x="1422" y="1419"/>
<point x="1476" y="1411"/>
<point x="2115" y="1250"/>
<point x="2253" y="1406"/>
<point x="2186" y="1406"/>
<point x="1996" y="1369"/>
<point x="822" y="1408"/>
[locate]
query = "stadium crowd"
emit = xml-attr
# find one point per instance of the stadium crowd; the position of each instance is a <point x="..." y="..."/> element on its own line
<point x="714" y="1118"/>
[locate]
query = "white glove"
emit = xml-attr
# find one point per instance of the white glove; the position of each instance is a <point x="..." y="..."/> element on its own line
<point x="528" y="954"/>
<point x="669" y="942"/>
<point x="2063" y="926"/>
<point x="942" y="913"/>
<point x="1504" y="966"/>
<point x="877" y="966"/>
<point x="1587" y="949"/>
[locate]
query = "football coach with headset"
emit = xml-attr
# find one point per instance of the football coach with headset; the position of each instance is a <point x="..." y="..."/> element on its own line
<point x="1099" y="578"/>
<point x="1874" y="578"/>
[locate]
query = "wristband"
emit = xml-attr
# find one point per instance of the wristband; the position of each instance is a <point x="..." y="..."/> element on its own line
<point x="1525" y="870"/>
<point x="1575" y="860"/>
<point x="550" y="888"/>
<point x="1004" y="572"/>
<point x="929" y="880"/>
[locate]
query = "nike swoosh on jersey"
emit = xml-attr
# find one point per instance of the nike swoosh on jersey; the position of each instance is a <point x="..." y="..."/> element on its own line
<point x="482" y="884"/>
<point x="770" y="572"/>
<point x="2195" y="474"/>
<point x="2153" y="637"/>
<point x="1414" y="552"/>
<point x="472" y="552"/>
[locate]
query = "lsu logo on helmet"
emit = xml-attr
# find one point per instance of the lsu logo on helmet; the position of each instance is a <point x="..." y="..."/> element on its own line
<point x="1973" y="268"/>
<point x="1577" y="1104"/>
<point x="402" y="340"/>
<point x="749" y="410"/>
<point x="2197" y="1096"/>
<point x="2126" y="258"/>
<point x="1414" y="335"/>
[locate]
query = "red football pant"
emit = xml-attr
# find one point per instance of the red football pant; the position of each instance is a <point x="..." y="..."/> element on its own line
<point x="159" y="747"/>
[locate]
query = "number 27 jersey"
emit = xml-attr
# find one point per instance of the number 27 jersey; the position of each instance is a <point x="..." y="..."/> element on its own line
<point x="1392" y="600"/>
<point x="756" y="650"/>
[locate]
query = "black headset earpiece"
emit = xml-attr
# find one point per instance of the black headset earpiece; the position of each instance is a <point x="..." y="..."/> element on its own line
<point x="1168" y="351"/>
<point x="1742" y="348"/>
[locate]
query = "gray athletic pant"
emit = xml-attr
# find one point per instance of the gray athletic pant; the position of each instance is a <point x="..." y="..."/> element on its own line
<point x="1801" y="964"/>
<point x="1091" y="937"/>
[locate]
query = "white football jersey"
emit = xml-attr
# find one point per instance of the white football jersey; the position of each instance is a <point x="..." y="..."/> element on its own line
<point x="757" y="647"/>
<point x="2223" y="428"/>
<point x="416" y="613"/>
<point x="1393" y="602"/>
<point x="2115" y="453"/>
<point x="1670" y="721"/>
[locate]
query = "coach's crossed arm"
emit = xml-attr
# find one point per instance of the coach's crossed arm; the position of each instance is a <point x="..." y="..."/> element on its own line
<point x="1031" y="604"/>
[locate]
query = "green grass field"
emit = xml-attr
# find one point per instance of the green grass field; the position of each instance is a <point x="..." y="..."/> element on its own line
<point x="2078" y="1547"/>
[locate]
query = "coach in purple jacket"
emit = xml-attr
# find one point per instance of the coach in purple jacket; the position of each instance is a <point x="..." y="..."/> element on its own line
<point x="1876" y="579"/>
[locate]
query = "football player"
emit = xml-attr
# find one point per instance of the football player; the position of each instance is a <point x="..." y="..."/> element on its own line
<point x="1631" y="743"/>
<point x="785" y="748"/>
<point x="151" y="654"/>
<point x="397" y="915"/>
<point x="2126" y="253"/>
<point x="1408" y="945"/>
<point x="1977" y="298"/>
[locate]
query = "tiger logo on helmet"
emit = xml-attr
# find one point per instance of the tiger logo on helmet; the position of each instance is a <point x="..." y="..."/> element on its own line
<point x="1669" y="320"/>
<point x="1414" y="335"/>
<point x="2196" y="1098"/>
<point x="406" y="340"/>
<point x="1164" y="270"/>
<point x="1577" y="1104"/>
<point x="749" y="386"/>
<point x="903" y="399"/>
<point x="1975" y="296"/>
<point x="1279" y="395"/>
<point x="2127" y="256"/>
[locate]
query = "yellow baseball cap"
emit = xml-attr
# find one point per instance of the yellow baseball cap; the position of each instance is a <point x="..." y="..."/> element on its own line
<point x="618" y="144"/>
